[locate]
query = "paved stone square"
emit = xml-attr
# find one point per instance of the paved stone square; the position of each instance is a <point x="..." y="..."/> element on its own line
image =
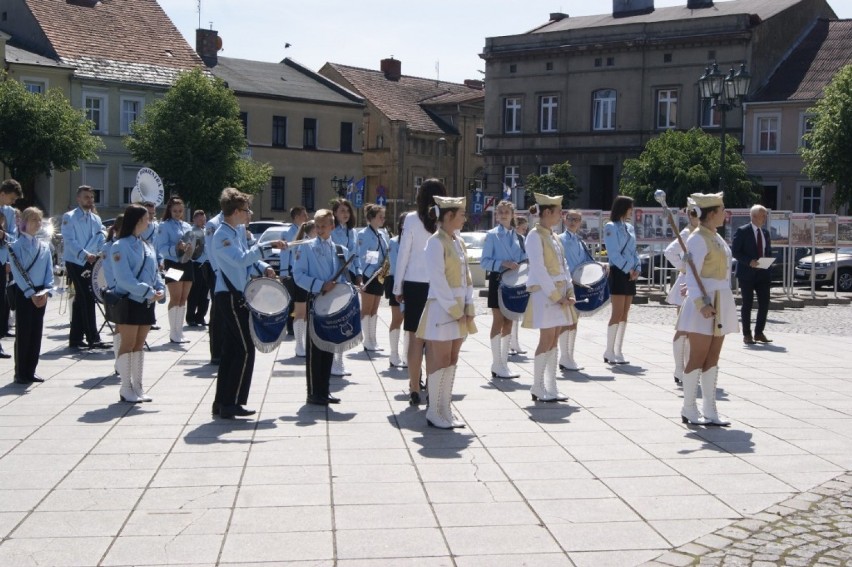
<point x="610" y="478"/>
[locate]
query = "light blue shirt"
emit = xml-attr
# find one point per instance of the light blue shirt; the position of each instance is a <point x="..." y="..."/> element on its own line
<point x="576" y="252"/>
<point x="347" y="238"/>
<point x="620" y="242"/>
<point x="371" y="241"/>
<point x="11" y="232"/>
<point x="316" y="263"/>
<point x="236" y="261"/>
<point x="130" y="256"/>
<point x="393" y="251"/>
<point x="109" y="275"/>
<point x="34" y="256"/>
<point x="289" y="235"/>
<point x="501" y="245"/>
<point x="169" y="234"/>
<point x="82" y="234"/>
<point x="209" y="230"/>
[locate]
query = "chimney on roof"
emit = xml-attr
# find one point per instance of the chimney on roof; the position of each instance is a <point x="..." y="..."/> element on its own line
<point x="624" y="8"/>
<point x="697" y="4"/>
<point x="392" y="69"/>
<point x="557" y="16"/>
<point x="474" y="84"/>
<point x="207" y="45"/>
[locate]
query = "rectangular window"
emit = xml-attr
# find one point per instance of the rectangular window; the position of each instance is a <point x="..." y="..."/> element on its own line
<point x="603" y="112"/>
<point x="308" y="184"/>
<point x="512" y="115"/>
<point x="418" y="181"/>
<point x="548" y="113"/>
<point x="309" y="139"/>
<point x="512" y="175"/>
<point x="244" y="120"/>
<point x="480" y="140"/>
<point x="346" y="137"/>
<point x="95" y="176"/>
<point x="767" y="134"/>
<point x="710" y="115"/>
<point x="807" y="124"/>
<point x="544" y="169"/>
<point x="128" y="180"/>
<point x="131" y="111"/>
<point x="666" y="109"/>
<point x="277" y="193"/>
<point x="96" y="111"/>
<point x="37" y="87"/>
<point x="812" y="199"/>
<point x="279" y="131"/>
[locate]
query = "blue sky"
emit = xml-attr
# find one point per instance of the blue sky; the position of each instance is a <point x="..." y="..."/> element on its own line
<point x="449" y="33"/>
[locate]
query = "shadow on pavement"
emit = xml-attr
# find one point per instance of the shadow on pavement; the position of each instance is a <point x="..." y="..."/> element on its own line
<point x="117" y="410"/>
<point x="211" y="433"/>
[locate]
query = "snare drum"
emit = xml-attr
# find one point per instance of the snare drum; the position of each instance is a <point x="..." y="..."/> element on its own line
<point x="590" y="288"/>
<point x="268" y="300"/>
<point x="99" y="281"/>
<point x="335" y="324"/>
<point x="513" y="295"/>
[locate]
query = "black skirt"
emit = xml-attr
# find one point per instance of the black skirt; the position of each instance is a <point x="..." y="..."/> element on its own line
<point x="130" y="312"/>
<point x="374" y="287"/>
<point x="415" y="295"/>
<point x="185" y="267"/>
<point x="493" y="290"/>
<point x="389" y="292"/>
<point x="620" y="283"/>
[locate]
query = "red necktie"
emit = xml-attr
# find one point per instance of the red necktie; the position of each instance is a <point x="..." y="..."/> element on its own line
<point x="759" y="243"/>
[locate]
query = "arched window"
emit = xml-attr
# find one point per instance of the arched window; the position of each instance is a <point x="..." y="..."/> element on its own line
<point x="603" y="109"/>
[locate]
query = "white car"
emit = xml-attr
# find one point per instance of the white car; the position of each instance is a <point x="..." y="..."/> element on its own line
<point x="474" y="242"/>
<point x="273" y="256"/>
<point x="824" y="267"/>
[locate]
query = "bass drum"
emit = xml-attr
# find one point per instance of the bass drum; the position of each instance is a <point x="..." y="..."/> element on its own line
<point x="99" y="281"/>
<point x="335" y="323"/>
<point x="268" y="301"/>
<point x="590" y="288"/>
<point x="512" y="295"/>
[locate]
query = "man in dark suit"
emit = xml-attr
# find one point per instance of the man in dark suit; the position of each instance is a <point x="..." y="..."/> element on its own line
<point x="751" y="242"/>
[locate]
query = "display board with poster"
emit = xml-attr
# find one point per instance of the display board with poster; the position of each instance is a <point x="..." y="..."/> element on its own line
<point x="825" y="231"/>
<point x="652" y="225"/>
<point x="779" y="228"/>
<point x="590" y="229"/>
<point x="801" y="229"/>
<point x="844" y="231"/>
<point x="734" y="219"/>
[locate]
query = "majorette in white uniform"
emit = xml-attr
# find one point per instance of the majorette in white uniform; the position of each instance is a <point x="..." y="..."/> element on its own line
<point x="548" y="281"/>
<point x="674" y="255"/>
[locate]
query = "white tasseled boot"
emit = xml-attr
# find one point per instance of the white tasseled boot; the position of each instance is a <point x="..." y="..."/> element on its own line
<point x="406" y="337"/>
<point x="678" y="350"/>
<point x="374" y="337"/>
<point x="137" y="365"/>
<point x="365" y="330"/>
<point x="504" y="357"/>
<point x="689" y="413"/>
<point x="337" y="368"/>
<point x="126" y="393"/>
<point x="619" y="340"/>
<point x="299" y="328"/>
<point x="496" y="371"/>
<point x="116" y="347"/>
<point x="538" y="390"/>
<point x="446" y="408"/>
<point x="550" y="378"/>
<point x="434" y="416"/>
<point x="708" y="397"/>
<point x="609" y="353"/>
<point x="395" y="360"/>
<point x="566" y="350"/>
<point x="514" y="346"/>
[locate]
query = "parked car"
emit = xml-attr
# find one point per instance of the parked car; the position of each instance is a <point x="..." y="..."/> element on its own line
<point x="474" y="242"/>
<point x="825" y="265"/>
<point x="273" y="256"/>
<point x="257" y="228"/>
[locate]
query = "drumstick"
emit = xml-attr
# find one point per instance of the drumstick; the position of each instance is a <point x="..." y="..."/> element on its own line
<point x="298" y="242"/>
<point x="342" y="268"/>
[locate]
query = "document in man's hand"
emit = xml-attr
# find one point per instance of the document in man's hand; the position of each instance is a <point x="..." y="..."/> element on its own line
<point x="765" y="262"/>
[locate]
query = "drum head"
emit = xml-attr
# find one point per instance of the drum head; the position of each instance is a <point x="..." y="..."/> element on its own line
<point x="588" y="274"/>
<point x="334" y="301"/>
<point x="267" y="296"/>
<point x="515" y="278"/>
<point x="99" y="282"/>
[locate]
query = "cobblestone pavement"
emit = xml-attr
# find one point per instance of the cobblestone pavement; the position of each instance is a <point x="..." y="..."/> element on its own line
<point x="813" y="528"/>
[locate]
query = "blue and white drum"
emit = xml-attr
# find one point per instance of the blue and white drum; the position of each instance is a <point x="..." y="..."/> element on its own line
<point x="513" y="295"/>
<point x="268" y="300"/>
<point x="335" y="324"/>
<point x="590" y="288"/>
<point x="99" y="282"/>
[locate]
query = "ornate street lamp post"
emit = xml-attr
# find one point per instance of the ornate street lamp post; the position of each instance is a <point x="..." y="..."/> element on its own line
<point x="726" y="93"/>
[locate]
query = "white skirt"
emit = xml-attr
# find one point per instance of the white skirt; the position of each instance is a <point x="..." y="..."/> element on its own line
<point x="542" y="313"/>
<point x="437" y="325"/>
<point x="674" y="297"/>
<point x="691" y="320"/>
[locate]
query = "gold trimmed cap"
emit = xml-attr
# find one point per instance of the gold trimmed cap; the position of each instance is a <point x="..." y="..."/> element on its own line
<point x="707" y="200"/>
<point x="547" y="200"/>
<point x="450" y="202"/>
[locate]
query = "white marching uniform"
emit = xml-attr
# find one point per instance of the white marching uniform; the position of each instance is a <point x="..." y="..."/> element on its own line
<point x="712" y="253"/>
<point x="548" y="281"/>
<point x="674" y="255"/>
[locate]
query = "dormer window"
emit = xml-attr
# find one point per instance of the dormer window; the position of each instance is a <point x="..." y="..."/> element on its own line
<point x="84" y="3"/>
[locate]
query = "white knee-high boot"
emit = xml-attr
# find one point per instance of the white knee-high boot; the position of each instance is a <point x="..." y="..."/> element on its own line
<point x="679" y="351"/>
<point x="393" y="337"/>
<point x="566" y="350"/>
<point x="514" y="346"/>
<point x="337" y="368"/>
<point x="619" y="340"/>
<point x="374" y="337"/>
<point x="137" y="364"/>
<point x="609" y="353"/>
<point x="689" y="413"/>
<point x="435" y="384"/>
<point x="538" y="390"/>
<point x="708" y="397"/>
<point x="550" y="378"/>
<point x="299" y="328"/>
<point x="116" y="348"/>
<point x="447" y="397"/>
<point x="365" y="330"/>
<point x="404" y="348"/>
<point x="126" y="393"/>
<point x="496" y="356"/>
<point x="504" y="357"/>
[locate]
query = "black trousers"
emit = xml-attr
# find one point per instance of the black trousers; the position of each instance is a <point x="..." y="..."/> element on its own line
<point x="215" y="326"/>
<point x="4" y="305"/>
<point x="317" y="366"/>
<point x="30" y="322"/>
<point x="83" y="323"/>
<point x="748" y="289"/>
<point x="199" y="295"/>
<point x="237" y="365"/>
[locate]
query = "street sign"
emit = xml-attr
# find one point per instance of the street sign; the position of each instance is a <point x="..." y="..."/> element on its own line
<point x="478" y="199"/>
<point x="380" y="200"/>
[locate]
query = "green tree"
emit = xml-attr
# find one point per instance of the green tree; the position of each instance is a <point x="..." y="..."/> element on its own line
<point x="41" y="133"/>
<point x="560" y="181"/>
<point x="682" y="163"/>
<point x="193" y="139"/>
<point x="828" y="150"/>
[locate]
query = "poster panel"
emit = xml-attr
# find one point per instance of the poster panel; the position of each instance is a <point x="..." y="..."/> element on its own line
<point x="825" y="231"/>
<point x="651" y="226"/>
<point x="779" y="228"/>
<point x="844" y="231"/>
<point x="801" y="229"/>
<point x="734" y="219"/>
<point x="590" y="229"/>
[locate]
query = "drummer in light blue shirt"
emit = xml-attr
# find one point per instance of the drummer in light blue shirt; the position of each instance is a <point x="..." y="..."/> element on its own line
<point x="620" y="242"/>
<point x="501" y="252"/>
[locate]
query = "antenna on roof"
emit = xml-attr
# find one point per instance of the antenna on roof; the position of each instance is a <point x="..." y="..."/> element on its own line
<point x="199" y="14"/>
<point x="437" y="72"/>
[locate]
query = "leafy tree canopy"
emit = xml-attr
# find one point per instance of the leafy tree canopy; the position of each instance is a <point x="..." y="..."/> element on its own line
<point x="560" y="181"/>
<point x="193" y="138"/>
<point x="682" y="163"/>
<point x="41" y="132"/>
<point x="828" y="151"/>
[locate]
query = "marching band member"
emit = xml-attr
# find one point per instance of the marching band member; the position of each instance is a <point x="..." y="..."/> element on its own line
<point x="300" y="296"/>
<point x="550" y="308"/>
<point x="624" y="269"/>
<point x="198" y="301"/>
<point x="448" y="316"/>
<point x="134" y="266"/>
<point x="706" y="318"/>
<point x="236" y="263"/>
<point x="109" y="276"/>
<point x="576" y="253"/>
<point x="521" y="226"/>
<point x="10" y="191"/>
<point x="314" y="269"/>
<point x="33" y="273"/>
<point x="299" y="215"/>
<point x="150" y="234"/>
<point x="214" y="329"/>
<point x="171" y="246"/>
<point x="83" y="238"/>
<point x="396" y="312"/>
<point x="411" y="281"/>
<point x="674" y="255"/>
<point x="501" y="252"/>
<point x="372" y="255"/>
<point x="344" y="235"/>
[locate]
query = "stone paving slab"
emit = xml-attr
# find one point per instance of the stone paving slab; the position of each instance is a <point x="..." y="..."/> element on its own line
<point x="610" y="478"/>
